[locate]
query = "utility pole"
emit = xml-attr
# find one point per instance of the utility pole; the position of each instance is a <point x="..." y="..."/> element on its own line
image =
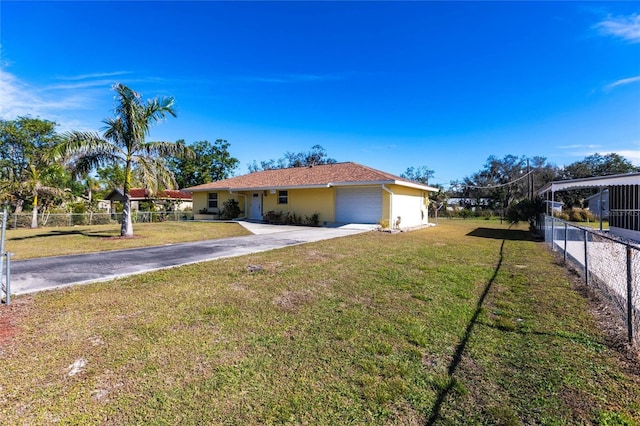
<point x="529" y="182"/>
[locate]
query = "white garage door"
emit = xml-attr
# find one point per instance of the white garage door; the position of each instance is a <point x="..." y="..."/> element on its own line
<point x="358" y="205"/>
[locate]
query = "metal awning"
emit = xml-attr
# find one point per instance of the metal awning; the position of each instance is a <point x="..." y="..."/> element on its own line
<point x="592" y="182"/>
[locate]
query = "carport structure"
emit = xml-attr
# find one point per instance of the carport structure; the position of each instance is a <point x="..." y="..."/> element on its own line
<point x="624" y="200"/>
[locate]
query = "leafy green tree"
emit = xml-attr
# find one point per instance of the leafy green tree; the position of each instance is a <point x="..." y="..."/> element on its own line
<point x="598" y="165"/>
<point x="420" y="174"/>
<point x="506" y="180"/>
<point x="316" y="156"/>
<point x="26" y="171"/>
<point x="123" y="143"/>
<point x="212" y="162"/>
<point x="526" y="210"/>
<point x="111" y="176"/>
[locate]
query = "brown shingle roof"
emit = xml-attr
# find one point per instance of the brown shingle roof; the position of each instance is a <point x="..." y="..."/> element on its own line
<point x="297" y="177"/>
<point x="143" y="194"/>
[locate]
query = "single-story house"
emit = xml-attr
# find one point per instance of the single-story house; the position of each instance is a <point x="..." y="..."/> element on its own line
<point x="623" y="193"/>
<point x="554" y="205"/>
<point x="598" y="204"/>
<point x="337" y="193"/>
<point x="470" y="203"/>
<point x="168" y="199"/>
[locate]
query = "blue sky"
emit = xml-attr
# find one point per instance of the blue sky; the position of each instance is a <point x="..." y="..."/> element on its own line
<point x="386" y="84"/>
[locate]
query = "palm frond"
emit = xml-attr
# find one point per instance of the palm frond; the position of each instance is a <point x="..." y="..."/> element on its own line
<point x="159" y="108"/>
<point x="166" y="149"/>
<point x="154" y="174"/>
<point x="77" y="143"/>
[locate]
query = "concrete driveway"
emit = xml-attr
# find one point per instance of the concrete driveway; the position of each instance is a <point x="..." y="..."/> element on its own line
<point x="33" y="275"/>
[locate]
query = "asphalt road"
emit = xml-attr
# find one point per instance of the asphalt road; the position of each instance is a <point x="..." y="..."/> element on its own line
<point x="33" y="275"/>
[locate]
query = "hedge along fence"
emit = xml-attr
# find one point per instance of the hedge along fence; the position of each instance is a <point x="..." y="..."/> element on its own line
<point x="53" y="220"/>
<point x="609" y="265"/>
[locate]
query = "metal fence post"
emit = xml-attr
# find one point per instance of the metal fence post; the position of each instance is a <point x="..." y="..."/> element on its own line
<point x="586" y="257"/>
<point x="629" y="296"/>
<point x="2" y="235"/>
<point x="565" y="242"/>
<point x="8" y="280"/>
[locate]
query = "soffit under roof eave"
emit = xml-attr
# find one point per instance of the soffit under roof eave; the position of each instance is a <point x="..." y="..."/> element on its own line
<point x="386" y="182"/>
<point x="594" y="182"/>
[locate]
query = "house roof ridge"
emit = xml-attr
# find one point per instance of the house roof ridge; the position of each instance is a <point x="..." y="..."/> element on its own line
<point x="340" y="173"/>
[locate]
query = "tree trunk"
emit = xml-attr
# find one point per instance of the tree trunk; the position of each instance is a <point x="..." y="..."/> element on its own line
<point x="126" y="230"/>
<point x="34" y="216"/>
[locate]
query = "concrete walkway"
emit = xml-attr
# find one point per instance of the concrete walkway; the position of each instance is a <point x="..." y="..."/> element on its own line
<point x="33" y="275"/>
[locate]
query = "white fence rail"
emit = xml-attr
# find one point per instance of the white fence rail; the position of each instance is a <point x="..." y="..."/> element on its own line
<point x="608" y="264"/>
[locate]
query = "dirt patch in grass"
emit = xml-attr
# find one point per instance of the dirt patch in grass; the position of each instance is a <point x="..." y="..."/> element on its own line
<point x="10" y="317"/>
<point x="580" y="403"/>
<point x="293" y="300"/>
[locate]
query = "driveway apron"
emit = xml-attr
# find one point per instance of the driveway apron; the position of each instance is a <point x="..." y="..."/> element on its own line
<point x="33" y="275"/>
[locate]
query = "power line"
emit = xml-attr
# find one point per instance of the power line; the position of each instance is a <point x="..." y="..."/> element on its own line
<point x="498" y="186"/>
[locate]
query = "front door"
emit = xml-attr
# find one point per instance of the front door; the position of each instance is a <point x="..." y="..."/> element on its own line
<point x="255" y="211"/>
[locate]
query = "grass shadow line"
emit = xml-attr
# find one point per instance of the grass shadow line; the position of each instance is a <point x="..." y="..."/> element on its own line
<point x="58" y="233"/>
<point x="460" y="348"/>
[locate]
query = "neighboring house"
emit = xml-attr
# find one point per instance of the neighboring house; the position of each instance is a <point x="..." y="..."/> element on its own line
<point x="104" y="205"/>
<point x="598" y="204"/>
<point x="337" y="193"/>
<point x="555" y="205"/>
<point x="623" y="200"/>
<point x="169" y="199"/>
<point x="467" y="203"/>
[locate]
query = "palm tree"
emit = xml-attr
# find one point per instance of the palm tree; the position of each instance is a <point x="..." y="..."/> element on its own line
<point x="123" y="142"/>
<point x="36" y="183"/>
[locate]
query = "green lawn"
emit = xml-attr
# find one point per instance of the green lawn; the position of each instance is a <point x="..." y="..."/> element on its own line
<point x="464" y="323"/>
<point x="43" y="242"/>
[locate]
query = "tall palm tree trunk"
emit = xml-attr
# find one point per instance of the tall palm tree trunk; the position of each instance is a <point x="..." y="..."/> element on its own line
<point x="126" y="230"/>
<point x="34" y="215"/>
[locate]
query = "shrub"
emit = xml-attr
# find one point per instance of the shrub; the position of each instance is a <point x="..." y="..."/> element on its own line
<point x="230" y="209"/>
<point x="465" y="213"/>
<point x="286" y="218"/>
<point x="312" y="220"/>
<point x="577" y="214"/>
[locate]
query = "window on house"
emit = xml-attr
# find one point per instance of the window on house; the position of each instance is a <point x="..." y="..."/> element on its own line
<point x="283" y="197"/>
<point x="213" y="200"/>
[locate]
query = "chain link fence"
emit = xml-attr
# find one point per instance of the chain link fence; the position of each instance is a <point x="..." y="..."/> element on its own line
<point x="608" y="264"/>
<point x="16" y="221"/>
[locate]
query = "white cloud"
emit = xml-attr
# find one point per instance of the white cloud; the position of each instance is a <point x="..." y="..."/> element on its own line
<point x="20" y="98"/>
<point x="69" y="104"/>
<point x="95" y="75"/>
<point x="625" y="27"/>
<point x="631" y="155"/>
<point x="622" y="82"/>
<point x="578" y="146"/>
